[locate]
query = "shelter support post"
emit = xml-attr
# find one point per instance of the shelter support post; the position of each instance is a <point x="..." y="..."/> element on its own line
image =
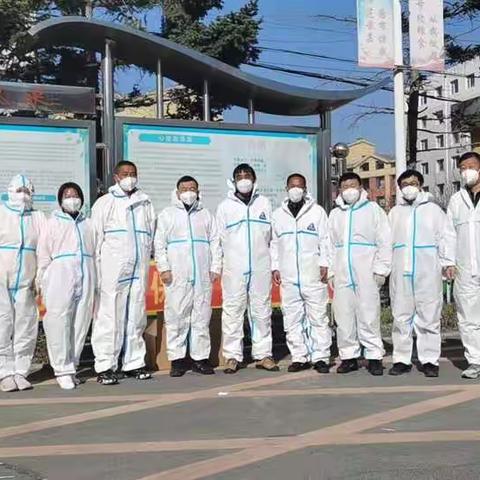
<point x="324" y="162"/>
<point x="108" y="113"/>
<point x="206" y="102"/>
<point x="159" y="89"/>
<point x="251" y="111"/>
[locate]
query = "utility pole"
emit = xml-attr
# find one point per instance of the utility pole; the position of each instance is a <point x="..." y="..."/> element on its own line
<point x="399" y="95"/>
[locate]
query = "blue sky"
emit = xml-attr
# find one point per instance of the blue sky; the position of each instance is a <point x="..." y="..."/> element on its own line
<point x="293" y="25"/>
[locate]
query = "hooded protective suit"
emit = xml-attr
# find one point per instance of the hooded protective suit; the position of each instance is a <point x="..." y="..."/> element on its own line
<point x="465" y="219"/>
<point x="187" y="244"/>
<point x="361" y="247"/>
<point x="423" y="244"/>
<point x="300" y="246"/>
<point x="19" y="232"/>
<point x="124" y="228"/>
<point x="66" y="272"/>
<point x="245" y="235"/>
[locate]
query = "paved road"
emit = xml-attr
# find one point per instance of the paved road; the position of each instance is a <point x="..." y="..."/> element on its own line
<point x="253" y="425"/>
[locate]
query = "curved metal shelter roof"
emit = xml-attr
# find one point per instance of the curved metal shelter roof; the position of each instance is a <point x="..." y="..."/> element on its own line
<point x="189" y="67"/>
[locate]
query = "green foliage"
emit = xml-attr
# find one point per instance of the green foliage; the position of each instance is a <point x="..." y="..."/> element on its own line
<point x="231" y="38"/>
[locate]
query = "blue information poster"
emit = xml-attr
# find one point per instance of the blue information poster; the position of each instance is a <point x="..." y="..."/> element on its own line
<point x="49" y="156"/>
<point x="163" y="154"/>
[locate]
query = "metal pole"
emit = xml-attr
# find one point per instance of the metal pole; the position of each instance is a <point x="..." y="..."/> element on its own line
<point x="159" y="89"/>
<point x="324" y="162"/>
<point x="251" y="112"/>
<point x="206" y="102"/>
<point x="108" y="113"/>
<point x="399" y="97"/>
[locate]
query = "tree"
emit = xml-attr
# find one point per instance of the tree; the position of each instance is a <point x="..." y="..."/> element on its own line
<point x="231" y="38"/>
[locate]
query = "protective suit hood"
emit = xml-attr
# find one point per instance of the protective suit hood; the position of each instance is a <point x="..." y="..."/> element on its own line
<point x="232" y="189"/>
<point x="137" y="196"/>
<point x="309" y="202"/>
<point x="16" y="182"/>
<point x="345" y="206"/>
<point x="422" y="197"/>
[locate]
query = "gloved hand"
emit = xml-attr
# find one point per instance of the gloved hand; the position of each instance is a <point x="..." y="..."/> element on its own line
<point x="379" y="279"/>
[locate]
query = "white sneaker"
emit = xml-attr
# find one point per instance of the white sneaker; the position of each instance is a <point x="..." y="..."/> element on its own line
<point x="8" y="384"/>
<point x="473" y="372"/>
<point x="66" y="382"/>
<point x="22" y="382"/>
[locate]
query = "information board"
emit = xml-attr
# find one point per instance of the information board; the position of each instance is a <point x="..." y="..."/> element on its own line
<point x="49" y="154"/>
<point x="165" y="153"/>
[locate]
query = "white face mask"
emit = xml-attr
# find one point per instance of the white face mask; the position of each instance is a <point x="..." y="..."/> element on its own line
<point x="71" y="204"/>
<point x="188" y="198"/>
<point x="127" y="184"/>
<point x="470" y="177"/>
<point x="245" y="185"/>
<point x="295" y="194"/>
<point x="351" y="195"/>
<point x="410" y="193"/>
<point x="20" y="199"/>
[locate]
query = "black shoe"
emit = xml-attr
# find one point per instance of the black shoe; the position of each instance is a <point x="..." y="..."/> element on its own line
<point x="399" y="369"/>
<point x="203" y="367"/>
<point x="107" y="378"/>
<point x="138" y="374"/>
<point x="375" y="367"/>
<point x="348" y="366"/>
<point x="299" y="366"/>
<point x="321" y="367"/>
<point x="430" y="370"/>
<point x="178" y="368"/>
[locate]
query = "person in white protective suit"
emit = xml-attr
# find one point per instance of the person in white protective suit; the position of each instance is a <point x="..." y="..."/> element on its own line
<point x="244" y="225"/>
<point x="300" y="258"/>
<point x="464" y="214"/>
<point x="20" y="228"/>
<point x="66" y="275"/>
<point x="124" y="222"/>
<point x="423" y="251"/>
<point x="361" y="260"/>
<point x="188" y="257"/>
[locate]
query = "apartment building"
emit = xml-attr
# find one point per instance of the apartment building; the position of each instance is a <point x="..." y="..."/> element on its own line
<point x="376" y="170"/>
<point x="442" y="139"/>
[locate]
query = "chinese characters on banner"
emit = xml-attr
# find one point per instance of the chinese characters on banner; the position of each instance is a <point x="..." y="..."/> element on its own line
<point x="375" y="33"/>
<point x="426" y="35"/>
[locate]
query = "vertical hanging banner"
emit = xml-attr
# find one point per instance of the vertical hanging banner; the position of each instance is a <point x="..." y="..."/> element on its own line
<point x="426" y="35"/>
<point x="375" y="33"/>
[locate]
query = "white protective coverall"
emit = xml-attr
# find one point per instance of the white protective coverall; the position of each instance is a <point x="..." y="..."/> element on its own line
<point x="245" y="236"/>
<point x="466" y="221"/>
<point x="19" y="233"/>
<point x="124" y="228"/>
<point x="66" y="272"/>
<point x="423" y="244"/>
<point x="187" y="244"/>
<point x="300" y="246"/>
<point x="361" y="247"/>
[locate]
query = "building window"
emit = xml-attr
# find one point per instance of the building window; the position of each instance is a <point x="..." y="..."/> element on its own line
<point x="379" y="165"/>
<point x="439" y="91"/>
<point x="440" y="141"/>
<point x="365" y="167"/>
<point x="423" y="122"/>
<point x="366" y="184"/>
<point x="456" y="137"/>
<point x="471" y="81"/>
<point x="440" y="117"/>
<point x="456" y="186"/>
<point x="424" y="144"/>
<point x="426" y="189"/>
<point x="380" y="183"/>
<point x="441" y="188"/>
<point x="454" y="87"/>
<point x="440" y="165"/>
<point x="455" y="160"/>
<point x="423" y="99"/>
<point x="425" y="168"/>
